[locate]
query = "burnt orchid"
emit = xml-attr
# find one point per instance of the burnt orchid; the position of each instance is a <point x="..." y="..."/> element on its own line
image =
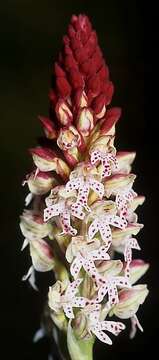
<point x="82" y="203"/>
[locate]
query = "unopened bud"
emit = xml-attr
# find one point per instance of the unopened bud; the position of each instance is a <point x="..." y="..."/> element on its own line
<point x="48" y="127"/>
<point x="42" y="255"/>
<point x="63" y="113"/>
<point x="41" y="183"/>
<point x="32" y="226"/>
<point x="129" y="301"/>
<point x="85" y="121"/>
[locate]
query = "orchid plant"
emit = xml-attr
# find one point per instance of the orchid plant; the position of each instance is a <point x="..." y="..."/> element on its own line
<point x="81" y="205"/>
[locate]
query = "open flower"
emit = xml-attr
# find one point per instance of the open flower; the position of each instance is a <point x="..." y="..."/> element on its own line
<point x="83" y="184"/>
<point x="85" y="255"/>
<point x="97" y="327"/>
<point x="108" y="161"/>
<point x="63" y="295"/>
<point x="102" y="224"/>
<point x="63" y="207"/>
<point x="109" y="285"/>
<point x="68" y="138"/>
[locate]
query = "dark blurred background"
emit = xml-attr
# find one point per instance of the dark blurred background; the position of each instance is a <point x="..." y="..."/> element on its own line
<point x="31" y="33"/>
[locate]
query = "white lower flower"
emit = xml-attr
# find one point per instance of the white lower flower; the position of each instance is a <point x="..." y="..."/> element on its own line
<point x="62" y="295"/>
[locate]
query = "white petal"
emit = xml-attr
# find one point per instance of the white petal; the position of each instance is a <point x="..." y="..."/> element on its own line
<point x="76" y="267"/>
<point x="53" y="210"/>
<point x="66" y="223"/>
<point x="112" y="326"/>
<point x="117" y="221"/>
<point x="79" y="301"/>
<point x="95" y="156"/>
<point x="73" y="288"/>
<point x="83" y="196"/>
<point x="68" y="311"/>
<point x="106" y="234"/>
<point x="90" y="268"/>
<point x="102" y="292"/>
<point x="93" y="228"/>
<point x="106" y="168"/>
<point x="25" y="243"/>
<point x="134" y="244"/>
<point x="122" y="281"/>
<point x="28" y="199"/>
<point x="101" y="335"/>
<point x="77" y="211"/>
<point x="134" y="324"/>
<point x="97" y="187"/>
<point x="40" y="333"/>
<point x="74" y="184"/>
<point x="26" y="276"/>
<point x="32" y="281"/>
<point x="100" y="254"/>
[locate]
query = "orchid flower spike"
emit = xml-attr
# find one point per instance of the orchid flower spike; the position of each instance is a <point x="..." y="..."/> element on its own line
<point x="81" y="203"/>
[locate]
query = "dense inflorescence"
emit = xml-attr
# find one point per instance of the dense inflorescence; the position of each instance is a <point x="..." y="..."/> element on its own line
<point x="81" y="202"/>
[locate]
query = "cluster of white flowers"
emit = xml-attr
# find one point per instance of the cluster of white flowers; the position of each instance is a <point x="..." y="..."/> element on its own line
<point x="90" y="245"/>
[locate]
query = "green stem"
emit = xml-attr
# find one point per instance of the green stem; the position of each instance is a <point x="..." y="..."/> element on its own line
<point x="79" y="349"/>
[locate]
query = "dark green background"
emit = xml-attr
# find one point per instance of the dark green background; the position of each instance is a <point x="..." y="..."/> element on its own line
<point x="31" y="33"/>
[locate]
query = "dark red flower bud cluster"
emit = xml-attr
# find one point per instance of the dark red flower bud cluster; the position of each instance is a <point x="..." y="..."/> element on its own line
<point x="81" y="68"/>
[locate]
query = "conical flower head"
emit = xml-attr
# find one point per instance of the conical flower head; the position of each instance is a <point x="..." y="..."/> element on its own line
<point x="82" y="191"/>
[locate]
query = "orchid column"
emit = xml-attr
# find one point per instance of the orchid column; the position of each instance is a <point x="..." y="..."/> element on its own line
<point x="81" y="202"/>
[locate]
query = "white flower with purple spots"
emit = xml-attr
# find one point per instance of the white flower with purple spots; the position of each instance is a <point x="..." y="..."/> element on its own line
<point x="102" y="225"/>
<point x="63" y="295"/>
<point x="109" y="162"/>
<point x="83" y="185"/>
<point x="109" y="286"/>
<point x="62" y="206"/>
<point x="84" y="255"/>
<point x="123" y="198"/>
<point x="97" y="327"/>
